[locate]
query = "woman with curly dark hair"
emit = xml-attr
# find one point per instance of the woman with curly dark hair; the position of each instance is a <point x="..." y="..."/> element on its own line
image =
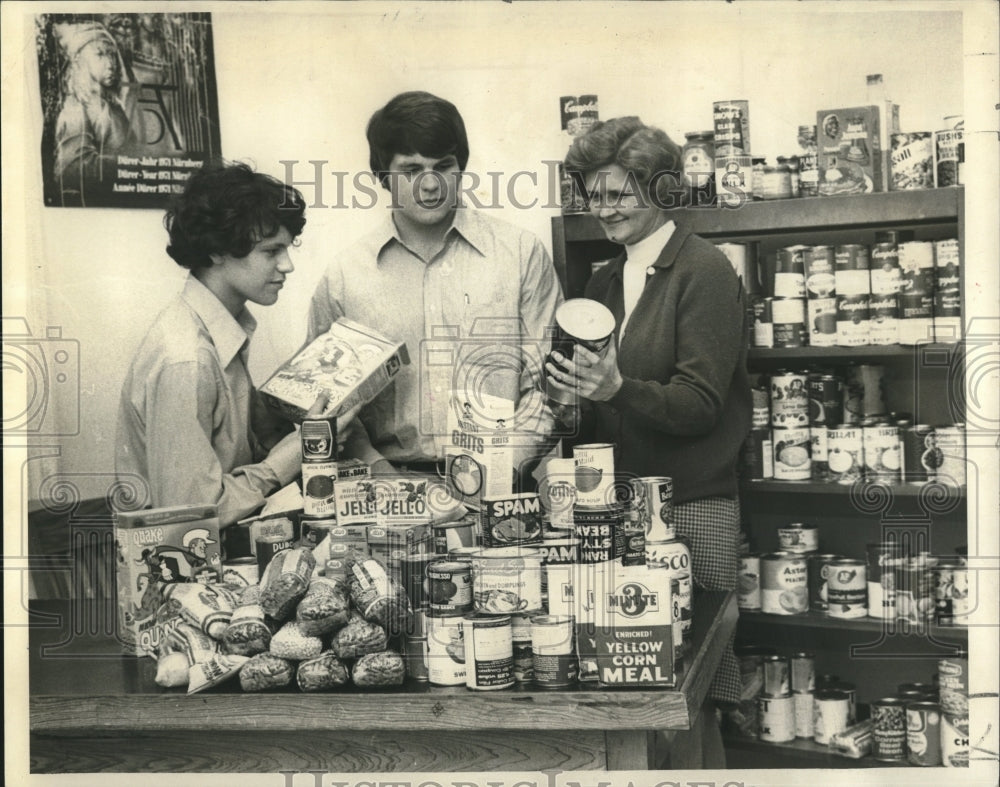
<point x="189" y="422"/>
<point x="672" y="391"/>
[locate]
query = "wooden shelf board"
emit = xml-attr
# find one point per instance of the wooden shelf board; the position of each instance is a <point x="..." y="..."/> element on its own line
<point x="812" y="619"/>
<point x="769" y="486"/>
<point x="803" y="748"/>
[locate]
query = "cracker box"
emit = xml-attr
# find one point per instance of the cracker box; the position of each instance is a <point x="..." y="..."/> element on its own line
<point x="851" y="157"/>
<point x="479" y="456"/>
<point x="349" y="362"/>
<point x="156" y="548"/>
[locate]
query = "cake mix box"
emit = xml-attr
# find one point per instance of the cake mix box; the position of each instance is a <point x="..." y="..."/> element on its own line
<point x="350" y="362"/>
<point x="157" y="548"/>
<point x="851" y="156"/>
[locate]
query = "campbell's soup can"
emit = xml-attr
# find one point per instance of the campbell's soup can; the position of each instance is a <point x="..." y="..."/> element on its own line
<point x="886" y="276"/>
<point x="881" y="451"/>
<point x="819" y="269"/>
<point x="923" y="734"/>
<point x="763" y="322"/>
<point x="784" y="584"/>
<point x="847" y="592"/>
<point x="889" y="729"/>
<point x="652" y="506"/>
<point x="594" y="474"/>
<point x="916" y="318"/>
<point x="883" y="562"/>
<point x="853" y="320"/>
<point x="789" y="322"/>
<point x="953" y="684"/>
<point x="916" y="262"/>
<point x="883" y="313"/>
<point x="851" y="269"/>
<point x="789" y="272"/>
<point x="776" y="718"/>
<point x="955" y="741"/>
<point x="791" y="454"/>
<point x="947" y="291"/>
<point x="789" y="399"/>
<point x="819" y="580"/>
<point x="748" y="582"/>
<point x="951" y="443"/>
<point x="831" y="714"/>
<point x="798" y="537"/>
<point x="803" y="713"/>
<point x="821" y="317"/>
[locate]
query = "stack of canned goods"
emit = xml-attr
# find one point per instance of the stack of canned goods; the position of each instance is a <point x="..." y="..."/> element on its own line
<point x="896" y="291"/>
<point x="825" y="427"/>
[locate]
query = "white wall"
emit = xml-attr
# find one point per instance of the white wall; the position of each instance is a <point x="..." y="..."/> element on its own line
<point x="299" y="81"/>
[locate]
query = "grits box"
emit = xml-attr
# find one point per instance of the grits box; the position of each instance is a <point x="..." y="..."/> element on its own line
<point x="479" y="457"/>
<point x="851" y="156"/>
<point x="634" y="634"/>
<point x="350" y="362"/>
<point x="156" y="548"/>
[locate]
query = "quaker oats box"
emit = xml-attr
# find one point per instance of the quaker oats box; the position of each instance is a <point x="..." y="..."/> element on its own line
<point x="478" y="450"/>
<point x="351" y="363"/>
<point x="156" y="548"/>
<point x="850" y="153"/>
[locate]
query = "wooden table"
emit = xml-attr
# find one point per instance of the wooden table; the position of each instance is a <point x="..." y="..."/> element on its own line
<point x="92" y="710"/>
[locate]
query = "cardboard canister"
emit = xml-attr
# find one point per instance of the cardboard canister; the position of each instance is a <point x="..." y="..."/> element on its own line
<point x="582" y="321"/>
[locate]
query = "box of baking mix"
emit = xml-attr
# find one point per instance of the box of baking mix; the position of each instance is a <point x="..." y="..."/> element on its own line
<point x="851" y="157"/>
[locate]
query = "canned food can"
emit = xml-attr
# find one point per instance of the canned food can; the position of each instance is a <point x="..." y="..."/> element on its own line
<point x="451" y="535"/>
<point x="268" y="547"/>
<point x="674" y="557"/>
<point x="601" y="532"/>
<point x="831" y="712"/>
<point x="881" y="451"/>
<point x="923" y="734"/>
<point x="852" y="697"/>
<point x="789" y="322"/>
<point x="955" y="740"/>
<point x="243" y="567"/>
<point x="748" y="582"/>
<point x="450" y="588"/>
<point x="558" y="493"/>
<point x="883" y="311"/>
<point x="947" y="291"/>
<point x="962" y="604"/>
<point x="803" y="714"/>
<point x="911" y="157"/>
<point x="853" y="320"/>
<point x="463" y="554"/>
<point x="817" y="453"/>
<point x="953" y="684"/>
<point x="889" y="729"/>
<point x="822" y="322"/>
<point x="845" y="454"/>
<point x="489" y="652"/>
<point x="776" y="718"/>
<point x="951" y="443"/>
<point x="798" y="537"/>
<point x="507" y="579"/>
<point x="680" y="593"/>
<point x="582" y="321"/>
<point x="848" y="593"/>
<point x="763" y="322"/>
<point x="524" y="668"/>
<point x="851" y="270"/>
<point x="864" y="392"/>
<point x="792" y="461"/>
<point x="553" y="653"/>
<point x="921" y="457"/>
<point x="758" y="454"/>
<point x="946" y="589"/>
<point x="883" y="562"/>
<point x="916" y="262"/>
<point x="819" y="270"/>
<point x="916" y="318"/>
<point x="274" y="526"/>
<point x="445" y="651"/>
<point x="946" y="158"/>
<point x="784" y="589"/>
<point x="777" y="675"/>
<point x="789" y="399"/>
<point x="914" y="590"/>
<point x="886" y="275"/>
<point x="315" y="530"/>
<point x="819" y="581"/>
<point x="926" y="689"/>
<point x="318" y="479"/>
<point x="653" y="507"/>
<point x="826" y="400"/>
<point x="415" y="658"/>
<point x="803" y="667"/>
<point x="731" y="120"/>
<point x="789" y="273"/>
<point x="594" y="474"/>
<point x="760" y="416"/>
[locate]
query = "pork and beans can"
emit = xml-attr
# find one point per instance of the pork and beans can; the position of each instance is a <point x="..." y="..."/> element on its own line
<point x="489" y="652"/>
<point x="847" y="593"/>
<point x="819" y="581"/>
<point x="889" y="729"/>
<point x="776" y="718"/>
<point x="831" y="714"/>
<point x="923" y="734"/>
<point x="798" y="537"/>
<point x="784" y="589"/>
<point x="748" y="583"/>
<point x="601" y="532"/>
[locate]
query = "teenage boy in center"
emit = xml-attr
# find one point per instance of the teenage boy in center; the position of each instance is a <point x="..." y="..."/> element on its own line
<point x="471" y="295"/>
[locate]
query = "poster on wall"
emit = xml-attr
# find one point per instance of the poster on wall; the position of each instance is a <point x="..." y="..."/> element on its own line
<point x="129" y="106"/>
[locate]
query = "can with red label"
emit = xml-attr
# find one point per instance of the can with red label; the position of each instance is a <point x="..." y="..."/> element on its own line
<point x="883" y="312"/>
<point x="819" y="581"/>
<point x="847" y="594"/>
<point x="819" y="271"/>
<point x="886" y="275"/>
<point x="923" y="733"/>
<point x="601" y="532"/>
<point x="821" y="319"/>
<point x="955" y="741"/>
<point x="776" y="717"/>
<point x="784" y="589"/>
<point x="889" y="729"/>
<point x="851" y="269"/>
<point x="853" y="320"/>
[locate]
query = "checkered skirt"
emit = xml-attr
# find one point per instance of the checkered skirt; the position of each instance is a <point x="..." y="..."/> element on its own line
<point x="711" y="526"/>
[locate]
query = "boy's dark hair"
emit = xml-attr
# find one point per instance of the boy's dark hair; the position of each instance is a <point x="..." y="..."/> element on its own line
<point x="415" y="123"/>
<point x="227" y="208"/>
